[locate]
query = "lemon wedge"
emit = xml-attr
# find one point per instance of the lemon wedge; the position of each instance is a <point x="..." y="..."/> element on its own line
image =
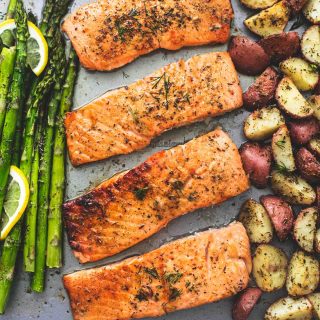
<point x="16" y="201"/>
<point x="37" y="45"/>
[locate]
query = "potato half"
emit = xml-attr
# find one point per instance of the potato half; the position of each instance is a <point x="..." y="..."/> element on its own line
<point x="310" y="44"/>
<point x="291" y="100"/>
<point x="258" y="4"/>
<point x="269" y="21"/>
<point x="269" y="267"/>
<point x="315" y="104"/>
<point x="290" y="308"/>
<point x="314" y="298"/>
<point x="303" y="274"/>
<point x="256" y="221"/>
<point x="312" y="11"/>
<point x="301" y="72"/>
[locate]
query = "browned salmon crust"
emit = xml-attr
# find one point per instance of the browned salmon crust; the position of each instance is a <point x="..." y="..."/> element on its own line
<point x="127" y="119"/>
<point x="108" y="34"/>
<point x="186" y="273"/>
<point x="136" y="204"/>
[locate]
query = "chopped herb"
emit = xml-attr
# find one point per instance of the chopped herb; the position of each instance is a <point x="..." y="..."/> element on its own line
<point x="177" y="185"/>
<point x="141" y="193"/>
<point x="125" y="75"/>
<point x="193" y="196"/>
<point x="134" y="115"/>
<point x="174" y="293"/>
<point x="314" y="67"/>
<point x="144" y="294"/>
<point x="281" y="143"/>
<point x="186" y="97"/>
<point x="281" y="167"/>
<point x="155" y="81"/>
<point x="133" y="12"/>
<point x="166" y="86"/>
<point x="152" y="272"/>
<point x="172" y="278"/>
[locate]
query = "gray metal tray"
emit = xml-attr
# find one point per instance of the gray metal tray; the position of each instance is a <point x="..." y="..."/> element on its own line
<point x="53" y="303"/>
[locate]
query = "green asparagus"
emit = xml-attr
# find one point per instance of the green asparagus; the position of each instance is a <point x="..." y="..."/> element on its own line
<point x="11" y="9"/>
<point x="14" y="99"/>
<point x="54" y="250"/>
<point x="11" y="245"/>
<point x="7" y="59"/>
<point x="45" y="171"/>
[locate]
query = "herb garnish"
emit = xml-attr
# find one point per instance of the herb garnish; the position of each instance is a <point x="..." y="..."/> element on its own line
<point x="152" y="272"/>
<point x="172" y="278"/>
<point x="177" y="185"/>
<point x="281" y="143"/>
<point x="141" y="193"/>
<point x="134" y="115"/>
<point x="166" y="86"/>
<point x="281" y="167"/>
<point x="144" y="294"/>
<point x="174" y="293"/>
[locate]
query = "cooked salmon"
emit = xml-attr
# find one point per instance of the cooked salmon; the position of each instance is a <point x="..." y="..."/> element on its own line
<point x="136" y="204"/>
<point x="127" y="119"/>
<point x="186" y="273"/>
<point x="108" y="34"/>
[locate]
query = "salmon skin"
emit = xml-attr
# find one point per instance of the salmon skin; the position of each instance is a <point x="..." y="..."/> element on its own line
<point x="127" y="119"/>
<point x="186" y="273"/>
<point x="108" y="34"/>
<point x="134" y="205"/>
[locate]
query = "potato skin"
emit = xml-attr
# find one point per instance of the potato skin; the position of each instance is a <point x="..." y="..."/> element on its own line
<point x="308" y="165"/>
<point x="256" y="160"/>
<point x="302" y="131"/>
<point x="280" y="213"/>
<point x="248" y="56"/>
<point x="262" y="91"/>
<point x="281" y="46"/>
<point x="245" y="303"/>
<point x="296" y="5"/>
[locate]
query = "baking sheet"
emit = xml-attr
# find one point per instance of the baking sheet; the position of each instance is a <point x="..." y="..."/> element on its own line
<point x="53" y="303"/>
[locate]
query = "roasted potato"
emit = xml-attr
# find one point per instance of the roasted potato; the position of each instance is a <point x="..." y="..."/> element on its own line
<point x="292" y="188"/>
<point x="314" y="299"/>
<point x="317" y="241"/>
<point x="245" y="303"/>
<point x="314" y="146"/>
<point x="248" y="56"/>
<point x="310" y="44"/>
<point x="308" y="165"/>
<point x="269" y="21"/>
<point x="296" y="5"/>
<point x="302" y="131"/>
<point x="258" y="4"/>
<point x="304" y="229"/>
<point x="262" y="123"/>
<point x="282" y="149"/>
<point x="315" y="104"/>
<point x="256" y="221"/>
<point x="280" y="213"/>
<point x="269" y="267"/>
<point x="281" y="46"/>
<point x="256" y="161"/>
<point x="301" y="72"/>
<point x="290" y="308"/>
<point x="303" y="274"/>
<point x="312" y="11"/>
<point x="291" y="100"/>
<point x="262" y="91"/>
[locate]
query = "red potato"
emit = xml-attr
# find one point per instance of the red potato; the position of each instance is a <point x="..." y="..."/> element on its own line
<point x="245" y="303"/>
<point x="280" y="213"/>
<point x="302" y="131"/>
<point x="281" y="46"/>
<point x="257" y="160"/>
<point x="248" y="56"/>
<point x="308" y="165"/>
<point x="262" y="91"/>
<point x="296" y="5"/>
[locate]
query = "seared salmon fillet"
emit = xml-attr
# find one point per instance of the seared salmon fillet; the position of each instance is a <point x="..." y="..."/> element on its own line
<point x="186" y="273"/>
<point x="127" y="119"/>
<point x="136" y="204"/>
<point x="108" y="34"/>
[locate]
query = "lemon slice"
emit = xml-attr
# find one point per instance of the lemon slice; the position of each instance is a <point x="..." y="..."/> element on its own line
<point x="16" y="201"/>
<point x="37" y="45"/>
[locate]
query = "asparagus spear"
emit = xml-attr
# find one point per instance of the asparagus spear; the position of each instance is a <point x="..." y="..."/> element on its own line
<point x="11" y="9"/>
<point x="14" y="99"/>
<point x="7" y="59"/>
<point x="45" y="171"/>
<point x="54" y="250"/>
<point x="11" y="245"/>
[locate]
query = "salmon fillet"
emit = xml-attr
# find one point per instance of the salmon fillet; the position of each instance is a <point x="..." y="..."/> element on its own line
<point x="136" y="204"/>
<point x="108" y="34"/>
<point x="127" y="119"/>
<point x="186" y="273"/>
